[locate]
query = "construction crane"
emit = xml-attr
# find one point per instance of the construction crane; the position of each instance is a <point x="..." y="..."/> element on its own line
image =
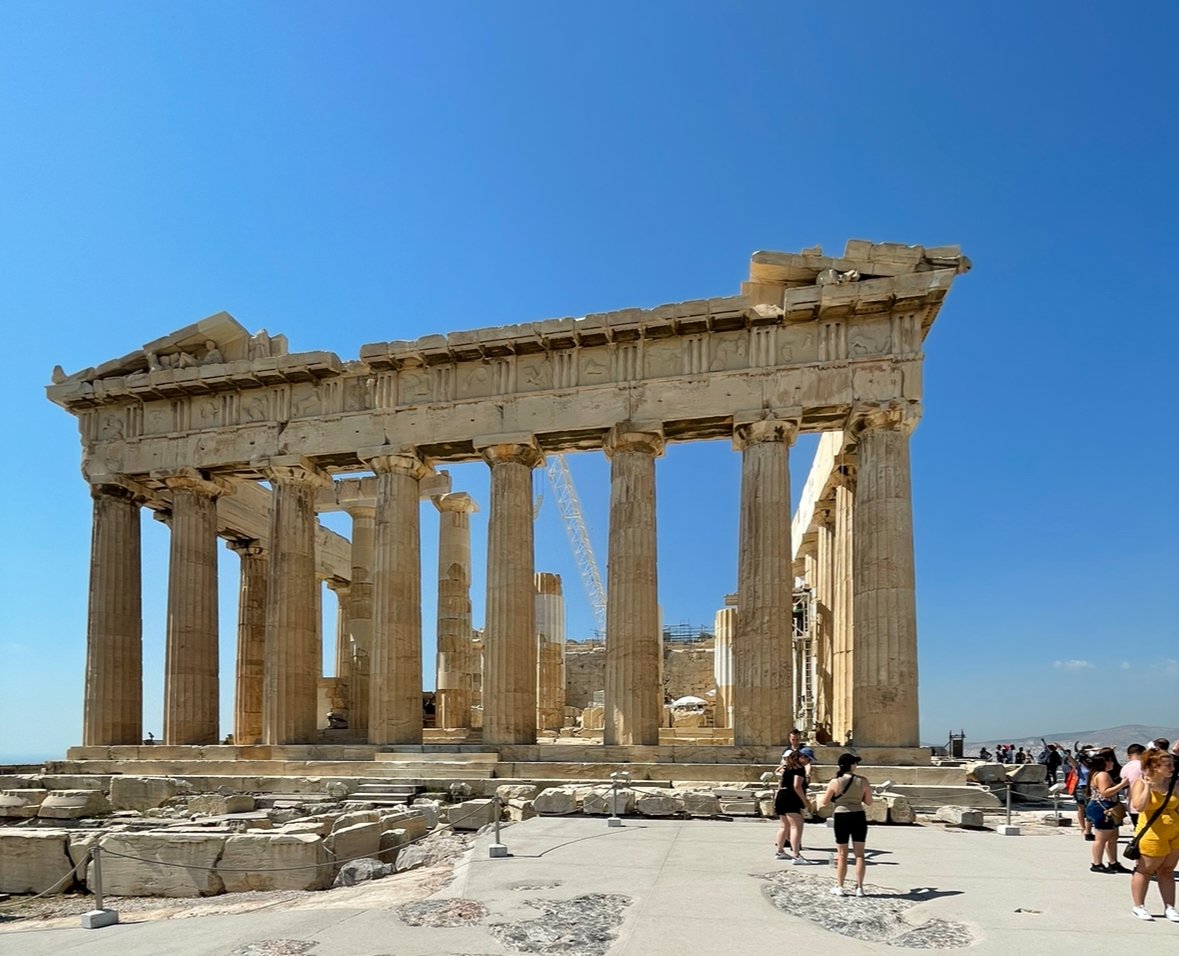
<point x="569" y="505"/>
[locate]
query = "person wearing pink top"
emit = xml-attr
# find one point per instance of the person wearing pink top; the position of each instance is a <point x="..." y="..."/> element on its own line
<point x="1131" y="771"/>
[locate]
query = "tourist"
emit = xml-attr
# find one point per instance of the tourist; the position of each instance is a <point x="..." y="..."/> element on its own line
<point x="1131" y="771"/>
<point x="1079" y="763"/>
<point x="789" y="805"/>
<point x="984" y="754"/>
<point x="1153" y="797"/>
<point x="1104" y="812"/>
<point x="1020" y="756"/>
<point x="849" y="794"/>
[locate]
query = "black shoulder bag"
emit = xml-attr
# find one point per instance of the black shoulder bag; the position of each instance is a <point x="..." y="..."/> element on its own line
<point x="1132" y="852"/>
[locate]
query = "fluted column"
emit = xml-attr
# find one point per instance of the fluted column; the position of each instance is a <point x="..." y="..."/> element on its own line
<point x="455" y="664"/>
<point x="395" y="681"/>
<point x="843" y="617"/>
<point x="293" y="652"/>
<point x="550" y="652"/>
<point x="342" y="699"/>
<point x="251" y="641"/>
<point x="724" y="624"/>
<point x="509" y="640"/>
<point x="360" y="613"/>
<point x="762" y="650"/>
<point x="884" y="587"/>
<point x="824" y="647"/>
<point x="191" y="686"/>
<point x="113" y="710"/>
<point x="634" y="651"/>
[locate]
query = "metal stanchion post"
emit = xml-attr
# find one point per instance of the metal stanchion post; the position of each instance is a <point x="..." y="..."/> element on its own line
<point x="100" y="916"/>
<point x="620" y="776"/>
<point x="1008" y="829"/>
<point x="497" y="849"/>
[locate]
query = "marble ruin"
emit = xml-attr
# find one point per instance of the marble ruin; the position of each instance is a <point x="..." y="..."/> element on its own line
<point x="192" y="424"/>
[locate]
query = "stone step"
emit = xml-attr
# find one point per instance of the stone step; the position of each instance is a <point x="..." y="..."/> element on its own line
<point x="932" y="797"/>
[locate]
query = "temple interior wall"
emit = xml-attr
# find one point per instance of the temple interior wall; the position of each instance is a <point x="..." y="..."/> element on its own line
<point x="687" y="670"/>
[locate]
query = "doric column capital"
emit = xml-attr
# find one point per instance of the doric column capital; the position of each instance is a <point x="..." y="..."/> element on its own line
<point x="824" y="512"/>
<point x="195" y="481"/>
<point x="292" y="469"/>
<point x="457" y="501"/>
<point x="396" y="460"/>
<point x="120" y="487"/>
<point x="767" y="429"/>
<point x="646" y="437"/>
<point x="884" y="416"/>
<point x="519" y="447"/>
<point x="245" y="547"/>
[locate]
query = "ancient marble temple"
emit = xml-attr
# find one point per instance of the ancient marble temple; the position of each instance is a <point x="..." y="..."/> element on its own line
<point x="229" y="436"/>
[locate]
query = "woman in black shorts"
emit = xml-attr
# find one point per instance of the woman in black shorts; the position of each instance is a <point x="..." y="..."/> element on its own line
<point x="789" y="804"/>
<point x="849" y="793"/>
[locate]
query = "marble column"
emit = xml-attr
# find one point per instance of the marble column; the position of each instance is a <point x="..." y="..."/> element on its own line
<point x="824" y="522"/>
<point x="113" y="711"/>
<point x="885" y="607"/>
<point x="455" y="652"/>
<point x="550" y="652"/>
<point x="634" y="643"/>
<point x="191" y="669"/>
<point x="762" y="648"/>
<point x="842" y="611"/>
<point x="509" y="640"/>
<point x="360" y="612"/>
<point x="293" y="651"/>
<point x="251" y="641"/>
<point x="342" y="698"/>
<point x="724" y="624"/>
<point x="395" y="683"/>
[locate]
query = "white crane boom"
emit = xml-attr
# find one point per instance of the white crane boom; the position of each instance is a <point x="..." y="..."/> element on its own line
<point x="569" y="506"/>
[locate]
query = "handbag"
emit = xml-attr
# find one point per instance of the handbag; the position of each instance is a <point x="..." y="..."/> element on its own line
<point x="1071" y="781"/>
<point x="1132" y="852"/>
<point x="1116" y="814"/>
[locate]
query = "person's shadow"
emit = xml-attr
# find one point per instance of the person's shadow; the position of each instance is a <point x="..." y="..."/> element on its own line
<point x="919" y="894"/>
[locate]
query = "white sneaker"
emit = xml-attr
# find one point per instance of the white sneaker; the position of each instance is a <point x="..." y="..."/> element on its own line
<point x="838" y="891"/>
<point x="1142" y="913"/>
<point x="860" y="891"/>
<point x="782" y="855"/>
<point x="1172" y="914"/>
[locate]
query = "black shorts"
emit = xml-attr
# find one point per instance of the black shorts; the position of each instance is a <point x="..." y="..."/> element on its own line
<point x="787" y="801"/>
<point x="853" y="825"/>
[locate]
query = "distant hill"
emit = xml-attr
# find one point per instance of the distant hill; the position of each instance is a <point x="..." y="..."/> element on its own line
<point x="1117" y="737"/>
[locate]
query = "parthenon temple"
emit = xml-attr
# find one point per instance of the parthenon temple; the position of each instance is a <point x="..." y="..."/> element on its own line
<point x="227" y="435"/>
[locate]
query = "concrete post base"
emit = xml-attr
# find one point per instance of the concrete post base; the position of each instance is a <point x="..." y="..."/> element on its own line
<point x="97" y="919"/>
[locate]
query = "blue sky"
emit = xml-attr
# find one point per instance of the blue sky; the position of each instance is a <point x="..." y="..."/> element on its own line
<point x="369" y="172"/>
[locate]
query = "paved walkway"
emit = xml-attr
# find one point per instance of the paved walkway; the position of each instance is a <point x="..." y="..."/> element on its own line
<point x="677" y="887"/>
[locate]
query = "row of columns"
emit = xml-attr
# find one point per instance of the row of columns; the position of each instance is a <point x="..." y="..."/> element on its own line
<point x="278" y="626"/>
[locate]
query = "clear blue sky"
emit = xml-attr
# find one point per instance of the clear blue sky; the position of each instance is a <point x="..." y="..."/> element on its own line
<point x="356" y="173"/>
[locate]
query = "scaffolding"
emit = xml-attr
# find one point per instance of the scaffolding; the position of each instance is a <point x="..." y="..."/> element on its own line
<point x="803" y="659"/>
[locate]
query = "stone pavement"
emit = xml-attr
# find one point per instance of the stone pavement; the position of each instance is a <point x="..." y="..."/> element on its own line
<point x="653" y="887"/>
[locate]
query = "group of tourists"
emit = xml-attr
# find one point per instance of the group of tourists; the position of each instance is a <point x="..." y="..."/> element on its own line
<point x="844" y="801"/>
<point x="1147" y="780"/>
<point x="1095" y="778"/>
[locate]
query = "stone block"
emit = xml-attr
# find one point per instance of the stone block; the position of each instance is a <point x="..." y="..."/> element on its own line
<point x="218" y="804"/>
<point x="164" y="864"/>
<point x="899" y="810"/>
<point x="412" y="821"/>
<point x="73" y="804"/>
<point x="355" y="841"/>
<point x="391" y="843"/>
<point x="959" y="816"/>
<point x="429" y="809"/>
<point x="143" y="793"/>
<point x="516" y="792"/>
<point x="22" y="802"/>
<point x="274" y="861"/>
<point x="312" y="827"/>
<point x="658" y="805"/>
<point x="472" y="814"/>
<point x="345" y="820"/>
<point x="1027" y="773"/>
<point x="698" y="803"/>
<point x="606" y="803"/>
<point x="877" y="811"/>
<point x="520" y="809"/>
<point x="555" y="801"/>
<point x="358" y="871"/>
<point x="739" y="808"/>
<point x="986" y="772"/>
<point x="31" y="861"/>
